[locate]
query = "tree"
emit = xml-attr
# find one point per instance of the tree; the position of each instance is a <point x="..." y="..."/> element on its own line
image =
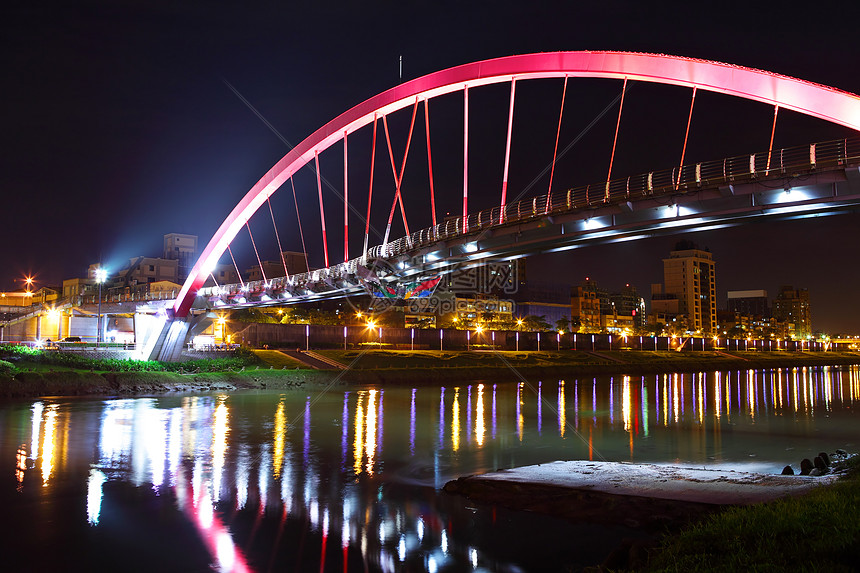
<point x="535" y="323"/>
<point x="562" y="324"/>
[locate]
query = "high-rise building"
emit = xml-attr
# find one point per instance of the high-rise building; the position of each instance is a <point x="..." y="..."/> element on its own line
<point x="546" y="299"/>
<point x="792" y="306"/>
<point x="689" y="274"/>
<point x="748" y="302"/>
<point x="181" y="248"/>
<point x="586" y="304"/>
<point x="629" y="303"/>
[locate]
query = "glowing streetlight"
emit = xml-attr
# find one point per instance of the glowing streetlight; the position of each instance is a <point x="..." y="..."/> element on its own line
<point x="101" y="277"/>
<point x="222" y="320"/>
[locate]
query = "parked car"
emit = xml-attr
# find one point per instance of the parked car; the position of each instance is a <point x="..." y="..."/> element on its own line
<point x="72" y="339"/>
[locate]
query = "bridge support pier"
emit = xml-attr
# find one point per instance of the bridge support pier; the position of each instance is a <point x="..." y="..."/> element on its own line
<point x="164" y="339"/>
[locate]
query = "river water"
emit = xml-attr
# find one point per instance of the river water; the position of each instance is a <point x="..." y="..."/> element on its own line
<point x="349" y="479"/>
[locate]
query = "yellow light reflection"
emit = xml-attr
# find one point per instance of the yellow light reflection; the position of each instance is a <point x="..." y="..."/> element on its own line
<point x="729" y="398"/>
<point x="795" y="388"/>
<point x="676" y="405"/>
<point x="779" y="387"/>
<point x="520" y="420"/>
<point x="625" y="403"/>
<point x="455" y="421"/>
<point x="480" y="430"/>
<point x="562" y="416"/>
<point x="280" y="434"/>
<point x="718" y="398"/>
<point x="370" y="432"/>
<point x="625" y="411"/>
<point x="48" y="443"/>
<point x="751" y="393"/>
<point x="358" y="444"/>
<point x="701" y="399"/>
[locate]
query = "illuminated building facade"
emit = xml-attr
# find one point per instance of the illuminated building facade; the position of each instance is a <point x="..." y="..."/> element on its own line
<point x="748" y="302"/>
<point x="585" y="307"/>
<point x="181" y="248"/>
<point x="792" y="306"/>
<point x="689" y="274"/>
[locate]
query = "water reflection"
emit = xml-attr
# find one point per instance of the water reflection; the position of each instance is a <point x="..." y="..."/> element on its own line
<point x="221" y="456"/>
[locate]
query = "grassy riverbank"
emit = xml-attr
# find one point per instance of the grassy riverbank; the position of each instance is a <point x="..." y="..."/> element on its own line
<point x="55" y="374"/>
<point x="819" y="531"/>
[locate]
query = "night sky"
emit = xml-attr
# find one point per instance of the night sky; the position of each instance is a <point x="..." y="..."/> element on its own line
<point x="119" y="124"/>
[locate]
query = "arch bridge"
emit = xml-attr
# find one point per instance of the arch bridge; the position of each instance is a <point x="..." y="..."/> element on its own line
<point x="811" y="180"/>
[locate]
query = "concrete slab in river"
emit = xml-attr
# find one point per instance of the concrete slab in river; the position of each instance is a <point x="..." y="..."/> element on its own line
<point x="712" y="486"/>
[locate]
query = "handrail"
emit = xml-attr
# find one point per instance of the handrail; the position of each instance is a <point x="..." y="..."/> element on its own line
<point x="788" y="162"/>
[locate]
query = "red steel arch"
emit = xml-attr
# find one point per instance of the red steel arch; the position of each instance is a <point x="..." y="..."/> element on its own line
<point x="811" y="99"/>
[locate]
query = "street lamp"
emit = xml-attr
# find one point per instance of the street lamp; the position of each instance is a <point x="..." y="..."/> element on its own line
<point x="223" y="322"/>
<point x="101" y="277"/>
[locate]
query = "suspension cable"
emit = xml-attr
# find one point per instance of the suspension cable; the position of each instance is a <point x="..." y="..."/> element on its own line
<point x="615" y="139"/>
<point x="686" y="135"/>
<point x="262" y="272"/>
<point x="429" y="159"/>
<point x="322" y="210"/>
<point x="772" y="131"/>
<point x="465" y="158"/>
<point x="508" y="151"/>
<point x="555" y="149"/>
<point x="370" y="189"/>
<point x="301" y="233"/>
<point x="241" y="282"/>
<point x="345" y="203"/>
<point x="398" y="179"/>
<point x="280" y="249"/>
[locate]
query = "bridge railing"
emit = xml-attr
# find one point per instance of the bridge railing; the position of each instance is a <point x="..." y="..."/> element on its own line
<point x="788" y="162"/>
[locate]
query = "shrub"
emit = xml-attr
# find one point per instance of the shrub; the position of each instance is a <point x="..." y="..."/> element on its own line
<point x="7" y="368"/>
<point x="241" y="357"/>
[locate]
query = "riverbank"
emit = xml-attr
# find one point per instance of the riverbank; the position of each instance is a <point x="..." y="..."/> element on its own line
<point x="401" y="368"/>
<point x="691" y="519"/>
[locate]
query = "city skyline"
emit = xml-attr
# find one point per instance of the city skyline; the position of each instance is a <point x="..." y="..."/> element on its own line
<point x="145" y="135"/>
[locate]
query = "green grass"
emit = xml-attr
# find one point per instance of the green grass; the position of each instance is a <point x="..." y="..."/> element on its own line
<point x="386" y="359"/>
<point x="277" y="359"/>
<point x="25" y="359"/>
<point x="816" y="532"/>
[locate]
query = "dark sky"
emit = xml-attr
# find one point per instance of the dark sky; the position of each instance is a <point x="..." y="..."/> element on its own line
<point x="118" y="125"/>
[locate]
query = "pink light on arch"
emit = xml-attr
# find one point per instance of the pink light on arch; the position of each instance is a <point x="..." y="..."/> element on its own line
<point x="811" y="99"/>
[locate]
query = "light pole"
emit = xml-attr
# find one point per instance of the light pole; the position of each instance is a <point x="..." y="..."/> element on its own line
<point x="101" y="277"/>
<point x="223" y="322"/>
